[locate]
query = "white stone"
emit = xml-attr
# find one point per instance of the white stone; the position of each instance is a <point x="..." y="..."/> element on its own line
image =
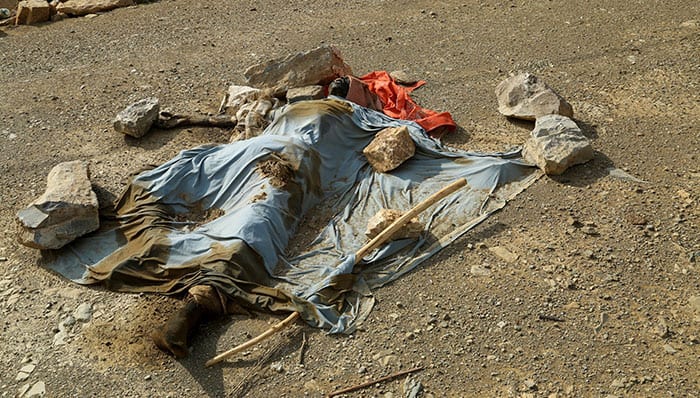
<point x="83" y="313"/>
<point x="524" y="96"/>
<point x="138" y="117"/>
<point x="37" y="390"/>
<point x="68" y="209"/>
<point x="556" y="144"/>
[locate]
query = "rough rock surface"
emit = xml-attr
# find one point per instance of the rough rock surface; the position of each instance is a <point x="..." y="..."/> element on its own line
<point x="384" y="217"/>
<point x="67" y="210"/>
<point x="305" y="93"/>
<point x="32" y="11"/>
<point x="556" y="144"/>
<point x="525" y="96"/>
<point x="84" y="7"/>
<point x="389" y="148"/>
<point x="138" y="117"/>
<point x="318" y="66"/>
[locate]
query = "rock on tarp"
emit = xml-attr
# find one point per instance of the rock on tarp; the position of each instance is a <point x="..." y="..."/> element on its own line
<point x="84" y="7"/>
<point x="556" y="144"/>
<point x="389" y="148"/>
<point x="68" y="209"/>
<point x="385" y="217"/>
<point x="315" y="67"/>
<point x="525" y="96"/>
<point x="314" y="149"/>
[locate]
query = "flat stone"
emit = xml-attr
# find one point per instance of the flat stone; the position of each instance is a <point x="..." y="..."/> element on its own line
<point x="403" y="77"/>
<point x="37" y="390"/>
<point x="694" y="302"/>
<point x="385" y="217"/>
<point x="389" y="148"/>
<point x="525" y="96"/>
<point x="138" y="117"/>
<point x="556" y="144"/>
<point x="480" y="270"/>
<point x="30" y="12"/>
<point x="67" y="209"/>
<point x="319" y="66"/>
<point x="85" y="7"/>
<point x="305" y="93"/>
<point x="504" y="254"/>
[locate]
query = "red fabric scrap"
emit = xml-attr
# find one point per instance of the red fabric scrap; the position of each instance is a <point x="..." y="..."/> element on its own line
<point x="399" y="104"/>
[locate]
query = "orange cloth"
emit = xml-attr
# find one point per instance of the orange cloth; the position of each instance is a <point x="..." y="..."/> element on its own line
<point x="399" y="104"/>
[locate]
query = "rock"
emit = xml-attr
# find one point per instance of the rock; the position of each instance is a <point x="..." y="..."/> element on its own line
<point x="530" y="384"/>
<point x="669" y="349"/>
<point x="524" y="96"/>
<point x="60" y="338"/>
<point x="402" y="77"/>
<point x="384" y="217"/>
<point x="37" y="390"/>
<point x="25" y="372"/>
<point x="68" y="209"/>
<point x="5" y="13"/>
<point x="318" y="66"/>
<point x="504" y="254"/>
<point x="389" y="148"/>
<point x="30" y="12"/>
<point x="694" y="302"/>
<point x="138" y="117"/>
<point x="84" y="7"/>
<point x="305" y="93"/>
<point x="83" y="313"/>
<point x="9" y="4"/>
<point x="556" y="144"/>
<point x="480" y="270"/>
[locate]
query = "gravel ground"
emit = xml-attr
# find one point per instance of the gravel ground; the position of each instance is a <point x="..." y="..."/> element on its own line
<point x="603" y="299"/>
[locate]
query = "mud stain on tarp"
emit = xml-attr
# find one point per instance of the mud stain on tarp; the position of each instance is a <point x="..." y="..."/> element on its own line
<point x="278" y="169"/>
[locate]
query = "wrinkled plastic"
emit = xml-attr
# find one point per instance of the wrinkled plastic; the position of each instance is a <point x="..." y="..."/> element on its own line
<point x="241" y="253"/>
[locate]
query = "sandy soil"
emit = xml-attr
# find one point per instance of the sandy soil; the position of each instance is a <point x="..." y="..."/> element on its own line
<point x="603" y="299"/>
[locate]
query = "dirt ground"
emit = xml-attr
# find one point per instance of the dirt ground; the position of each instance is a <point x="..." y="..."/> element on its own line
<point x="603" y="299"/>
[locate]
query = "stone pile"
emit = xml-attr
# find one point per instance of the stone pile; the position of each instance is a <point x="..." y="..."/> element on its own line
<point x="68" y="209"/>
<point x="556" y="143"/>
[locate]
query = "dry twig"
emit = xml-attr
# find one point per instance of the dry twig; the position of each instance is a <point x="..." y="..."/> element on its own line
<point x="372" y="382"/>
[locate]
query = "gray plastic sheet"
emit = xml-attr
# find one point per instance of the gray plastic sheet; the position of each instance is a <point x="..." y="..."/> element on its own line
<point x="240" y="249"/>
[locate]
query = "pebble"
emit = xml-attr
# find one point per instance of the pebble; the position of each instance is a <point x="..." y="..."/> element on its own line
<point x="669" y="349"/>
<point x="480" y="270"/>
<point x="277" y="367"/>
<point x="83" y="313"/>
<point x="530" y="384"/>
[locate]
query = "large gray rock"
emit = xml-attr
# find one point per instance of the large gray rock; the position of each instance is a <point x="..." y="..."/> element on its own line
<point x="319" y="66"/>
<point x="84" y="7"/>
<point x="68" y="209"/>
<point x="138" y="117"/>
<point x="556" y="143"/>
<point x="389" y="148"/>
<point x="525" y="96"/>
